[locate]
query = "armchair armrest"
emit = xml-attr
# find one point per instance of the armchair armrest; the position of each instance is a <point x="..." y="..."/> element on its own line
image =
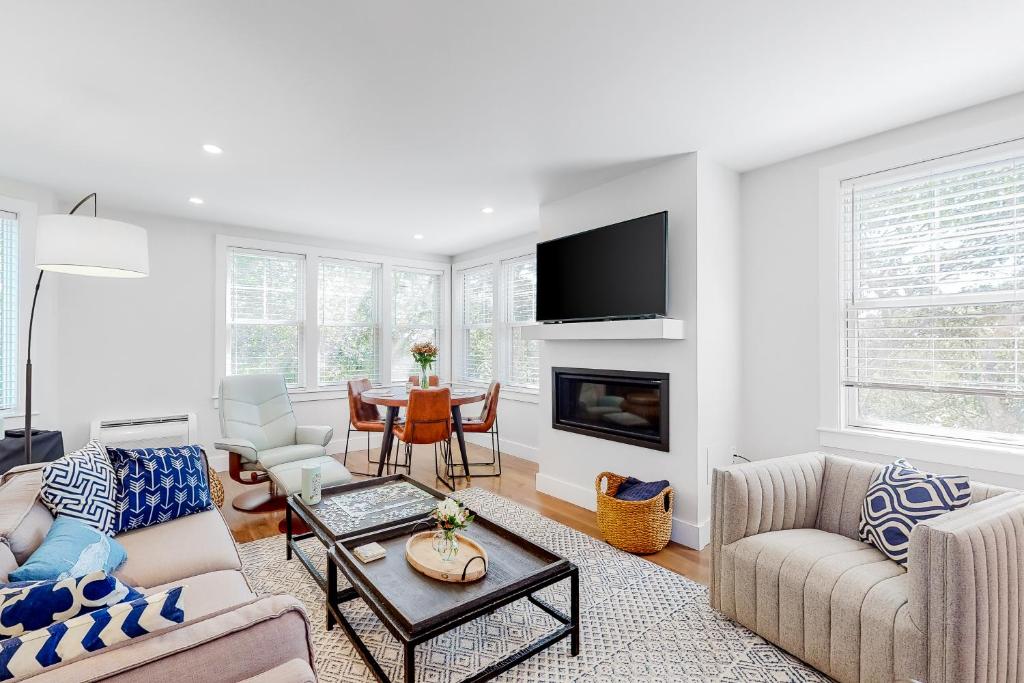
<point x="767" y="495"/>
<point x="318" y="435"/>
<point x="967" y="590"/>
<point x="243" y="447"/>
<point x="239" y="643"/>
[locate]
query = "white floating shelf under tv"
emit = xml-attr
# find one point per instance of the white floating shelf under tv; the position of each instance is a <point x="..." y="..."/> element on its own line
<point x="654" y="328"/>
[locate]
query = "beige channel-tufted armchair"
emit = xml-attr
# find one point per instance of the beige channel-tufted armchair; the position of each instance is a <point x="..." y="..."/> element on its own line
<point x="787" y="563"/>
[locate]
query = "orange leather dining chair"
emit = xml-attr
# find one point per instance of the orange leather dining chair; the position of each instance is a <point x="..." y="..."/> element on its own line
<point x="432" y="380"/>
<point x="428" y="420"/>
<point x="362" y="417"/>
<point x="487" y="423"/>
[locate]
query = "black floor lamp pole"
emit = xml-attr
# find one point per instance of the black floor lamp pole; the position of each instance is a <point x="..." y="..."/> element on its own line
<point x="28" y="355"/>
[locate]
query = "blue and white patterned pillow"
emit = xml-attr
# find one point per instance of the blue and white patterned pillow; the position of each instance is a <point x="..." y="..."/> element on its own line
<point x="34" y="651"/>
<point x="81" y="485"/>
<point x="32" y="605"/>
<point x="902" y="496"/>
<point x="158" y="484"/>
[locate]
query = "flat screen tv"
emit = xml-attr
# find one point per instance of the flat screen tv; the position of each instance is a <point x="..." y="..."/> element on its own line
<point x="615" y="272"/>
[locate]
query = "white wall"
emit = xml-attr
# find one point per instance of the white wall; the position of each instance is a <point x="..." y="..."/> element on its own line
<point x="780" y="284"/>
<point x="570" y="462"/>
<point x="135" y="348"/>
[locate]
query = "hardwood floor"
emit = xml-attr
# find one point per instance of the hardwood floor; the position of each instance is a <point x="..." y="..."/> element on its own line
<point x="516" y="483"/>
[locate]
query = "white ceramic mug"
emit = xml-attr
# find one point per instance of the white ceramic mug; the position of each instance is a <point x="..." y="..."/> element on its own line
<point x="311" y="483"/>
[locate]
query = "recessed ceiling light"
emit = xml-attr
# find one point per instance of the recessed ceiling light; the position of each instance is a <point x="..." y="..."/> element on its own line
<point x="212" y="149"/>
<point x="417" y="236"/>
<point x="487" y="209"/>
<point x="195" y="200"/>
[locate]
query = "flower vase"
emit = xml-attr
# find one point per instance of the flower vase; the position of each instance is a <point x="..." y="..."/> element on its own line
<point x="424" y="378"/>
<point x="446" y="544"/>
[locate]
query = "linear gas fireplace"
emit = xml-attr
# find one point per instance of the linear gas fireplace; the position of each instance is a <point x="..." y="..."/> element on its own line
<point x="630" y="407"/>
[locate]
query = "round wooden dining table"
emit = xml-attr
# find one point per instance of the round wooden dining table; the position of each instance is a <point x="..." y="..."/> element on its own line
<point x="394" y="398"/>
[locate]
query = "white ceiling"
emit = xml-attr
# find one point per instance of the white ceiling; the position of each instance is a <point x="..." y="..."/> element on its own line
<point x="374" y="120"/>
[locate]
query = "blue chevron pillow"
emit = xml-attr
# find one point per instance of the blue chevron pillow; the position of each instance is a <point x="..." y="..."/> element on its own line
<point x="902" y="496"/>
<point x="158" y="484"/>
<point x="34" y="651"/>
<point x="81" y="485"/>
<point x="30" y="605"/>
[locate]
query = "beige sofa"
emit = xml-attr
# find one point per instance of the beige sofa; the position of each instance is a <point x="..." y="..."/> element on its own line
<point x="787" y="564"/>
<point x="229" y="634"/>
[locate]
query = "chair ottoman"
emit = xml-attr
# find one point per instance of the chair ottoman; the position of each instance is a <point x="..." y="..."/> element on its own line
<point x="287" y="476"/>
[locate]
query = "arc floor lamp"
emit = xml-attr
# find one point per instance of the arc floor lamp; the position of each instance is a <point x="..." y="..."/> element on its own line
<point x="82" y="245"/>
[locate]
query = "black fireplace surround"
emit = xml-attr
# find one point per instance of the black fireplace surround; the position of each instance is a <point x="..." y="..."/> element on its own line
<point x="618" y="405"/>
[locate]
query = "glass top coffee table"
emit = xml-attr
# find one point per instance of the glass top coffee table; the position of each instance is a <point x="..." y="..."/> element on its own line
<point x="416" y="608"/>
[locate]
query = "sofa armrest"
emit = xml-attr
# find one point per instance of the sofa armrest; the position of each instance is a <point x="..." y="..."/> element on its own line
<point x="318" y="435"/>
<point x="239" y="643"/>
<point x="967" y="590"/>
<point x="767" y="495"/>
<point x="244" y="447"/>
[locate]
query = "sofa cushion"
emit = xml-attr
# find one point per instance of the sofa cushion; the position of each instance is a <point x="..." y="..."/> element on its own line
<point x="82" y="485"/>
<point x="292" y="671"/>
<point x="178" y="549"/>
<point x="71" y="548"/>
<point x="211" y="592"/>
<point x="903" y="496"/>
<point x="24" y="520"/>
<point x="272" y="457"/>
<point x="7" y="562"/>
<point x="156" y="485"/>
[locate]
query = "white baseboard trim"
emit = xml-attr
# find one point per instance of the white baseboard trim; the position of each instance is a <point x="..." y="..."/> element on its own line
<point x="508" y="446"/>
<point x="683" y="532"/>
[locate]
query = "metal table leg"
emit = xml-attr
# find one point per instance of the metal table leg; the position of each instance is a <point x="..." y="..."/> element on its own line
<point x="457" y="422"/>
<point x="385" y="445"/>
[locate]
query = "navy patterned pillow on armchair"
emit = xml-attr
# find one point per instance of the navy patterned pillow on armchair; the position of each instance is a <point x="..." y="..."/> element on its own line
<point x="157" y="485"/>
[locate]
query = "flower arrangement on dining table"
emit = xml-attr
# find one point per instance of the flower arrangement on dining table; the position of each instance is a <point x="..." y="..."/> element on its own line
<point x="425" y="354"/>
<point x="450" y="516"/>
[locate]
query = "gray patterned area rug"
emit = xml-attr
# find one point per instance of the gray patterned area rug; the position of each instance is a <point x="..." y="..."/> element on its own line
<point x="640" y="622"/>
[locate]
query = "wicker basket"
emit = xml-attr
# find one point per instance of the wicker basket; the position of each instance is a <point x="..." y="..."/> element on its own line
<point x="216" y="487"/>
<point x="642" y="526"/>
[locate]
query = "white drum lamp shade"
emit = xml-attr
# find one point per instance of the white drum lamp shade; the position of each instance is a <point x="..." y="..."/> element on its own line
<point x="87" y="245"/>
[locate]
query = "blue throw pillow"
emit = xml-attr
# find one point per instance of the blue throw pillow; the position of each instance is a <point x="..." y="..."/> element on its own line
<point x="34" y="651"/>
<point x="634" y="489"/>
<point x="71" y="548"/>
<point x="157" y="485"/>
<point x="901" y="497"/>
<point x="30" y="605"/>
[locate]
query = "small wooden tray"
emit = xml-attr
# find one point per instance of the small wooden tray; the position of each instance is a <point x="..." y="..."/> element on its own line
<point x="465" y="567"/>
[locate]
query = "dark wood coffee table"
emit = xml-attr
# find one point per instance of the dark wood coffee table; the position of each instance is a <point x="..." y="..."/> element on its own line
<point x="350" y="510"/>
<point x="416" y="608"/>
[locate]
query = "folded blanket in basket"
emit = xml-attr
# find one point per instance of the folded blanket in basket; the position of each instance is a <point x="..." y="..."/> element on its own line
<point x="634" y="489"/>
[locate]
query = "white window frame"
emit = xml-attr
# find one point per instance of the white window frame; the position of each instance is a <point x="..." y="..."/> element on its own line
<point x="460" y="327"/>
<point x="377" y="322"/>
<point x="28" y="214"/>
<point x="502" y="334"/>
<point x="443" y="315"/>
<point x="834" y="431"/>
<point x="310" y="391"/>
<point x="12" y="355"/>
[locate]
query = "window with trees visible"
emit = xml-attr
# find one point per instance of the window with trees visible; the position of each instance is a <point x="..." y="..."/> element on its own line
<point x="266" y="313"/>
<point x="416" y="317"/>
<point x="495" y="303"/>
<point x="348" y="312"/>
<point x="8" y="311"/>
<point x="933" y="298"/>
<point x="478" y="324"/>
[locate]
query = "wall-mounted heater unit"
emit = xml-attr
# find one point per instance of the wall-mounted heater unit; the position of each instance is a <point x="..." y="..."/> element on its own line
<point x="147" y="432"/>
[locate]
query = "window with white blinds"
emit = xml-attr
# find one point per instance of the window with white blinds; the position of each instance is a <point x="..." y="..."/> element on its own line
<point x="495" y="302"/>
<point x="478" y="324"/>
<point x="8" y="311"/>
<point x="416" y="317"/>
<point x="519" y="280"/>
<point x="266" y="313"/>
<point x="348" y="312"/>
<point x="933" y="297"/>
